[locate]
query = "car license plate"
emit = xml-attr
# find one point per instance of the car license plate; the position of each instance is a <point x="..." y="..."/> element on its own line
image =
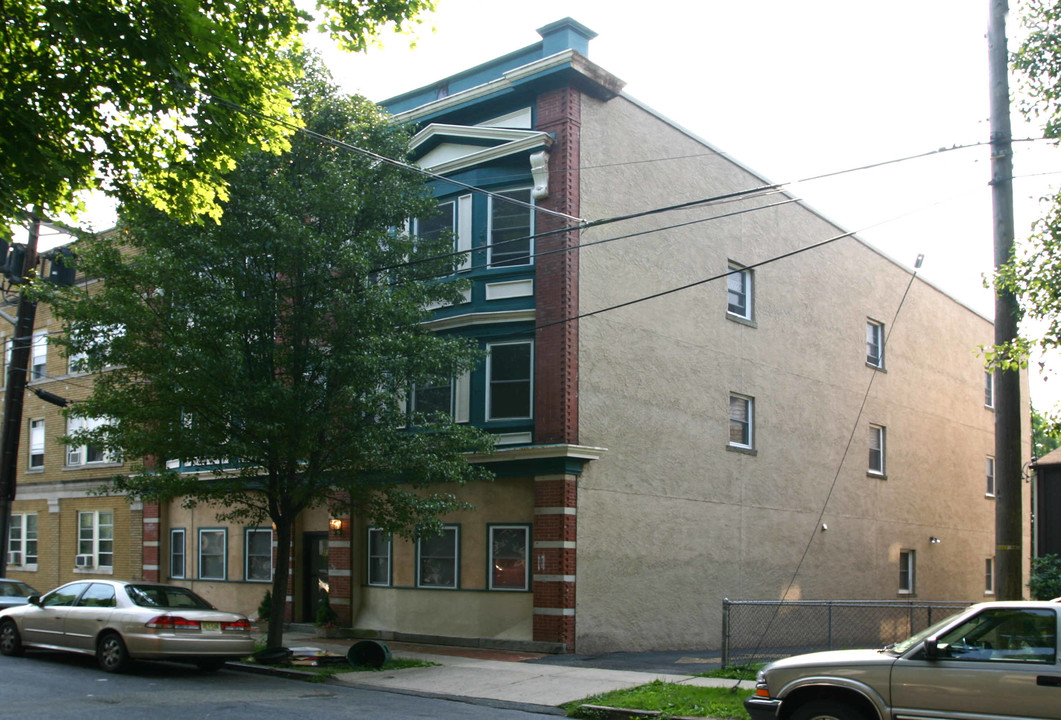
<point x="211" y="627"/>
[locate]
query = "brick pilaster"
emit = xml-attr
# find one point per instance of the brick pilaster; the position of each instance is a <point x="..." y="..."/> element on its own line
<point x="151" y="545"/>
<point x="556" y="277"/>
<point x="340" y="579"/>
<point x="554" y="558"/>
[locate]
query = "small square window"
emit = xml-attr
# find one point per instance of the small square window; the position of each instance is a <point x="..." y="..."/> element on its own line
<point x="509" y="557"/>
<point x="36" y="444"/>
<point x="874" y="344"/>
<point x="739" y="292"/>
<point x="258" y="555"/>
<point x="176" y="553"/>
<point x="212" y="554"/>
<point x="438" y="559"/>
<point x="379" y="557"/>
<point x="741" y="421"/>
<point x="876" y="450"/>
<point x="907" y="571"/>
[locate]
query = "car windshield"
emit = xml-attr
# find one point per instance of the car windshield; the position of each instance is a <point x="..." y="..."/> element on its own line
<point x="903" y="645"/>
<point x="16" y="588"/>
<point x="163" y="596"/>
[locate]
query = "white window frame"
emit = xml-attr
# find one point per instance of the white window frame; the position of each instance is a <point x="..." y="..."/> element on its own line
<point x="878" y="437"/>
<point x="747" y="441"/>
<point x="907" y="572"/>
<point x="989" y="576"/>
<point x="490" y="380"/>
<point x="247" y="533"/>
<point x="388" y="543"/>
<point x="420" y="557"/>
<point x="989" y="471"/>
<point x="530" y="226"/>
<point x="77" y="455"/>
<point x="95" y="542"/>
<point x="492" y="561"/>
<point x="21" y="539"/>
<point x="743" y="277"/>
<point x="223" y="533"/>
<point x="38" y="364"/>
<point x="875" y="343"/>
<point x="36" y="444"/>
<point x="178" y="539"/>
<point x="989" y="390"/>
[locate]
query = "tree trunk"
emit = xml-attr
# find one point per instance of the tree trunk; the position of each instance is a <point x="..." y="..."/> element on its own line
<point x="281" y="573"/>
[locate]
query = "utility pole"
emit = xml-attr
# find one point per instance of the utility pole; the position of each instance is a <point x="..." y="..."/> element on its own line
<point x="11" y="434"/>
<point x="1008" y="484"/>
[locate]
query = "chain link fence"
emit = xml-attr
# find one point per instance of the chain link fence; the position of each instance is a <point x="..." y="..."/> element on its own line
<point x="763" y="630"/>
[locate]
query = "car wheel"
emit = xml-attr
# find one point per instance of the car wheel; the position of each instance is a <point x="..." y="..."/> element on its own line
<point x="210" y="666"/>
<point x="10" y="641"/>
<point x="111" y="655"/>
<point x="828" y="710"/>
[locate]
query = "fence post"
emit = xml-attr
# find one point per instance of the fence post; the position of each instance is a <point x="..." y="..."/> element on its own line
<point x="830" y="625"/>
<point x="725" y="632"/>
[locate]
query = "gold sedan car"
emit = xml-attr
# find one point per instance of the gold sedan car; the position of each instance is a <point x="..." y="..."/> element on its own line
<point x="120" y="621"/>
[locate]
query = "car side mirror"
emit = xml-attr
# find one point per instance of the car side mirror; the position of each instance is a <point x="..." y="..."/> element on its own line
<point x="34" y="600"/>
<point x="931" y="649"/>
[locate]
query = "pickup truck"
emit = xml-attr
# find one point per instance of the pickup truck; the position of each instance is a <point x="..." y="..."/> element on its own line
<point x="993" y="661"/>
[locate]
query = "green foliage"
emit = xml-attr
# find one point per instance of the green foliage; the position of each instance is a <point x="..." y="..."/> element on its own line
<point x="670" y="699"/>
<point x="735" y="672"/>
<point x="326" y="617"/>
<point x="271" y="350"/>
<point x="154" y="99"/>
<point x="1046" y="434"/>
<point x="1034" y="273"/>
<point x="265" y="607"/>
<point x="1045" y="582"/>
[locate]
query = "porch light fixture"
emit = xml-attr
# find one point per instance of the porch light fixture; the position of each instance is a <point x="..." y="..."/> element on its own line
<point x="336" y="525"/>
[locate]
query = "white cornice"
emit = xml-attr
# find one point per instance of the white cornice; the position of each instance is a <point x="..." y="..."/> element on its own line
<point x="505" y="82"/>
<point x="489" y="318"/>
<point x="541" y="452"/>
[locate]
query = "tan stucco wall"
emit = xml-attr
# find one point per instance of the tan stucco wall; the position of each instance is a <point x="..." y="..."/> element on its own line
<point x="472" y="610"/>
<point x="669" y="521"/>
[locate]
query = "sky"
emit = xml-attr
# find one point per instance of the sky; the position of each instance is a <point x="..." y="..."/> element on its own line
<point x="790" y="90"/>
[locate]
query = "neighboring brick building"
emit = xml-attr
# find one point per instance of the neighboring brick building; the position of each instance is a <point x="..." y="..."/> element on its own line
<point x="653" y="457"/>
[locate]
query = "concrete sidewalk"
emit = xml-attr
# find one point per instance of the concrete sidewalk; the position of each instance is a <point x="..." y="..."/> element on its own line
<point x="506" y="676"/>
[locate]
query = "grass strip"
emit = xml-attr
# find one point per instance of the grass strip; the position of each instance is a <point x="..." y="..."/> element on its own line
<point x="670" y="699"/>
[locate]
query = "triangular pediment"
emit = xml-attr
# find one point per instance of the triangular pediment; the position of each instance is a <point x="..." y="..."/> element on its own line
<point x="444" y="148"/>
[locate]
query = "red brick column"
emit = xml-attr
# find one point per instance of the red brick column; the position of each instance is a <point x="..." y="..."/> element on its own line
<point x="553" y="558"/>
<point x="151" y="552"/>
<point x="556" y="275"/>
<point x="340" y="581"/>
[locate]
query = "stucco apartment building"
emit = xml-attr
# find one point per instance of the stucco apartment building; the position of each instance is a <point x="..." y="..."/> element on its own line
<point x="686" y="401"/>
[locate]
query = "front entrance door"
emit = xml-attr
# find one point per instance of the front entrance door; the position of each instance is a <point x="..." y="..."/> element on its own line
<point x="315" y="572"/>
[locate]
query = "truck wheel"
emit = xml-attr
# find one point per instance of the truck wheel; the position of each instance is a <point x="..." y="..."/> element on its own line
<point x="828" y="710"/>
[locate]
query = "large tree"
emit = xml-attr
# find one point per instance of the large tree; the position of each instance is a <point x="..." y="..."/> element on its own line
<point x="152" y="99"/>
<point x="273" y="350"/>
<point x="1034" y="273"/>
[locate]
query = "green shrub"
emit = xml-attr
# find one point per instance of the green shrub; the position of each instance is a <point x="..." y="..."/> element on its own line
<point x="1045" y="582"/>
<point x="265" y="607"/>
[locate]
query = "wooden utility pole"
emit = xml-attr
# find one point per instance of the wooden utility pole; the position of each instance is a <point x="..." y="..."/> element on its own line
<point x="1008" y="482"/>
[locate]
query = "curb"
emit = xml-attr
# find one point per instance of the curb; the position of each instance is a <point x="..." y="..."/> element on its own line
<point x="605" y="712"/>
